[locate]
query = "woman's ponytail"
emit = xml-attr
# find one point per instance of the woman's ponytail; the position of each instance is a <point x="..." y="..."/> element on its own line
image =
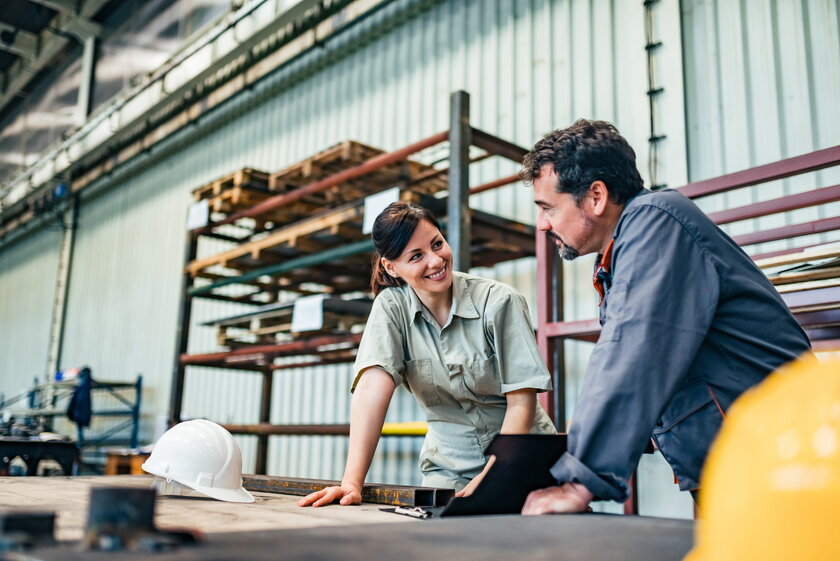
<point x="380" y="279"/>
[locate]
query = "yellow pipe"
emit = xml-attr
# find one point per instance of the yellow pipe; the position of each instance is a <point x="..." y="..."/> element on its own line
<point x="411" y="428"/>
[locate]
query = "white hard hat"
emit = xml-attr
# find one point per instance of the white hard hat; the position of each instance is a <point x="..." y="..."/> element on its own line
<point x="203" y="456"/>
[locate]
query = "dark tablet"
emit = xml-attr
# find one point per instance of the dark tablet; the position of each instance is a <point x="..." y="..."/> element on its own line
<point x="522" y="465"/>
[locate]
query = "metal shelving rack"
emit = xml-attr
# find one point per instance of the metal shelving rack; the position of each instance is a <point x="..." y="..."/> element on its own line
<point x="282" y="256"/>
<point x="48" y="401"/>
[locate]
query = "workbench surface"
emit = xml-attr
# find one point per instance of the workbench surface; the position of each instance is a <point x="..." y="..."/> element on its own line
<point x="68" y="497"/>
<point x="275" y="528"/>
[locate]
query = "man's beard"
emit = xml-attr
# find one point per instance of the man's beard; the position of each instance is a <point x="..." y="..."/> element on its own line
<point x="565" y="251"/>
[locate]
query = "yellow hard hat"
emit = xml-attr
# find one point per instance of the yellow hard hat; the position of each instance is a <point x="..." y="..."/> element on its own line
<point x="770" y="489"/>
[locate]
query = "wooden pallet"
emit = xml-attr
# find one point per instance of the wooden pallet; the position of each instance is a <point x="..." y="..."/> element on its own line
<point x="245" y="178"/>
<point x="493" y="240"/>
<point x="809" y="282"/>
<point x="804" y="266"/>
<point x="337" y="158"/>
<point x="299" y="352"/>
<point x="272" y="323"/>
<point x="326" y="229"/>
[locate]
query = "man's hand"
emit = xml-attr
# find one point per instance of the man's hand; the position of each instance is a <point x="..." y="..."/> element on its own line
<point x="569" y="497"/>
<point x="346" y="494"/>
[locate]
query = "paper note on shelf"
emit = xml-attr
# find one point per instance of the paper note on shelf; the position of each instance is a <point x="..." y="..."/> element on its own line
<point x="308" y="313"/>
<point x="375" y="204"/>
<point x="198" y="215"/>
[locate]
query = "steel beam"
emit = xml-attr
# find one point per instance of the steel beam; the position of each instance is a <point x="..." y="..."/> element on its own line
<point x="774" y="206"/>
<point x="264" y="418"/>
<point x="583" y="330"/>
<point x="829" y="296"/>
<point x="182" y="336"/>
<point x="88" y="72"/>
<point x="494" y="184"/>
<point x="356" y="248"/>
<point x="62" y="287"/>
<point x="761" y="174"/>
<point x="458" y="206"/>
<point x="785" y="232"/>
<point x="61" y="6"/>
<point x="395" y="495"/>
<point x="50" y="47"/>
<point x="25" y="44"/>
<point x="498" y="146"/>
<point x="300" y="346"/>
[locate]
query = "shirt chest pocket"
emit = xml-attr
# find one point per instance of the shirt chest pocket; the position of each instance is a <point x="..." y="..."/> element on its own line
<point x="418" y="374"/>
<point x="481" y="377"/>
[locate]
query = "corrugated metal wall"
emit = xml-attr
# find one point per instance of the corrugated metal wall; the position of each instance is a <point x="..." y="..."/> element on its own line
<point x="530" y="65"/>
<point x="762" y="84"/>
<point x="27" y="290"/>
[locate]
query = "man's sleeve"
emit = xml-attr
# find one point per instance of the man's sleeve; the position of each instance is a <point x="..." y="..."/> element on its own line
<point x="659" y="310"/>
<point x="382" y="342"/>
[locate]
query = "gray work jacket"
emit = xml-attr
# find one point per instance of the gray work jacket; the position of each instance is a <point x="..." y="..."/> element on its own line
<point x="688" y="323"/>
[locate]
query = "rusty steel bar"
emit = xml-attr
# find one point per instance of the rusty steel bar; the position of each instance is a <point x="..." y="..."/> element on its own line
<point x="370" y="165"/>
<point x="769" y="172"/>
<point x="780" y="252"/>
<point x="828" y="296"/>
<point x="494" y="184"/>
<point x="265" y="416"/>
<point x="269" y="429"/>
<point x="395" y="495"/>
<point x="497" y="146"/>
<point x="299" y="347"/>
<point x="584" y="330"/>
<point x="774" y="206"/>
<point x="818" y="318"/>
<point x="549" y="293"/>
<point x="785" y="232"/>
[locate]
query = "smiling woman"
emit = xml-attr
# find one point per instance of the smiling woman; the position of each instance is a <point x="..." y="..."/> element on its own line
<point x="463" y="345"/>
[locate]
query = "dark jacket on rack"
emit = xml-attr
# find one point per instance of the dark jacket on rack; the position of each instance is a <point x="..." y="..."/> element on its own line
<point x="79" y="410"/>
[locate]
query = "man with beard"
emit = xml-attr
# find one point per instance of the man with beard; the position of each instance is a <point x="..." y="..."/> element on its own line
<point x="688" y="322"/>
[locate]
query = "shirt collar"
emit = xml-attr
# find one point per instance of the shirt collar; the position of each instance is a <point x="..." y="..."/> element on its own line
<point x="462" y="302"/>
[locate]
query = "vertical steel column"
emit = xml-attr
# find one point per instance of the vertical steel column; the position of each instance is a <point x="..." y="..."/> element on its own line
<point x="135" y="410"/>
<point x="458" y="206"/>
<point x="265" y="418"/>
<point x="550" y="310"/>
<point x="182" y="334"/>
<point x="631" y="505"/>
<point x="84" y="100"/>
<point x="62" y="287"/>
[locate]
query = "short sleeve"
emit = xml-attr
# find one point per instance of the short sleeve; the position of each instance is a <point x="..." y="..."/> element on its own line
<point x="509" y="328"/>
<point x="382" y="342"/>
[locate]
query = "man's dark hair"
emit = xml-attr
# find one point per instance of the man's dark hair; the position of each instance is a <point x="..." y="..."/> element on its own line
<point x="582" y="153"/>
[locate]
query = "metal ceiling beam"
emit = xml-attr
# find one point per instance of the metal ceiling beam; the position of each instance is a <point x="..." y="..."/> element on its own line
<point x="61" y="6"/>
<point x="50" y="43"/>
<point x="80" y="28"/>
<point x="25" y="44"/>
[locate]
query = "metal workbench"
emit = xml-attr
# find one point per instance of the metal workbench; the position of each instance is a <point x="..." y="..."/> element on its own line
<point x="275" y="528"/>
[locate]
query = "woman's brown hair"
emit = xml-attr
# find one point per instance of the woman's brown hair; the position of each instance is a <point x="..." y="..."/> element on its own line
<point x="392" y="230"/>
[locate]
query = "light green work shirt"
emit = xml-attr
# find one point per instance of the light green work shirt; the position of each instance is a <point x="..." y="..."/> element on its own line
<point x="459" y="373"/>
